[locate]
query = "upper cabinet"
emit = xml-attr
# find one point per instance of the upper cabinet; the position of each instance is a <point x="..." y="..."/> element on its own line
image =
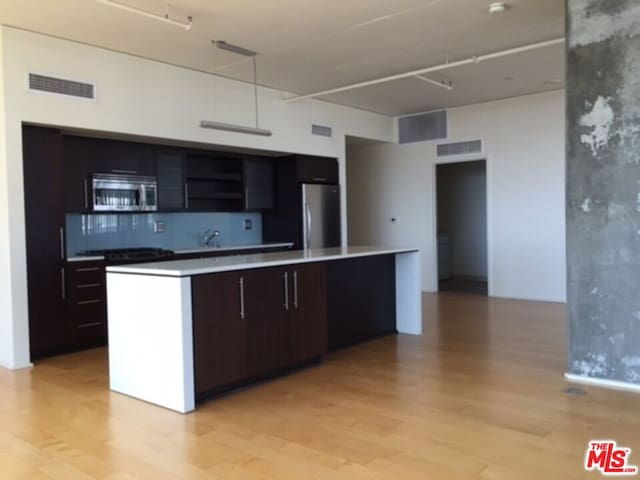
<point x="190" y="179"/>
<point x="171" y="180"/>
<point x="214" y="182"/>
<point x="258" y="183"/>
<point x="85" y="156"/>
<point x="122" y="158"/>
<point x="317" y="169"/>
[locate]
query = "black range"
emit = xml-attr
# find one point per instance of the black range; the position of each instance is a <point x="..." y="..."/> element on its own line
<point x="121" y="256"/>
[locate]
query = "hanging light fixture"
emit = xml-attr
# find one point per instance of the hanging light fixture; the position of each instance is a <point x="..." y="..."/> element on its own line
<point x="230" y="127"/>
<point x="162" y="18"/>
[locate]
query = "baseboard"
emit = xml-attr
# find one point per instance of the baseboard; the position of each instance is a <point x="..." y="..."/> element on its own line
<point x="16" y="367"/>
<point x="603" y="382"/>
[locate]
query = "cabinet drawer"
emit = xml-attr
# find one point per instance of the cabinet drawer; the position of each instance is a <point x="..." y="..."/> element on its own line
<point x="85" y="273"/>
<point x="87" y="294"/>
<point x="89" y="313"/>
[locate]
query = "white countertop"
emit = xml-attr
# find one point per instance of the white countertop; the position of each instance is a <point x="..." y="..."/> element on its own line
<point x="183" y="251"/>
<point x="200" y="266"/>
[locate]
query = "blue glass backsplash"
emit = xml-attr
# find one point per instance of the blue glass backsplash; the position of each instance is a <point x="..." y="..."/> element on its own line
<point x="182" y="230"/>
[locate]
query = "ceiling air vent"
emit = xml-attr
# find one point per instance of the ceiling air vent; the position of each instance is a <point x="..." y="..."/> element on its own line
<point x="321" y="130"/>
<point x="60" y="86"/>
<point x="423" y="127"/>
<point x="460" y="148"/>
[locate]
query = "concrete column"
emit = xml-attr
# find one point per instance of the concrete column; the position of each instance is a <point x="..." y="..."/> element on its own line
<point x="603" y="188"/>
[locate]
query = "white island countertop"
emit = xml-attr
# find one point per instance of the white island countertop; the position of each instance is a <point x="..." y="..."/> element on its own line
<point x="201" y="266"/>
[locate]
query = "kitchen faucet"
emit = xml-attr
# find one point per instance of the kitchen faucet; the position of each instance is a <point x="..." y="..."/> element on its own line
<point x="211" y="235"/>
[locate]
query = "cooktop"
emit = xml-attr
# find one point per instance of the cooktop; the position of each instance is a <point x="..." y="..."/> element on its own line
<point x="132" y="255"/>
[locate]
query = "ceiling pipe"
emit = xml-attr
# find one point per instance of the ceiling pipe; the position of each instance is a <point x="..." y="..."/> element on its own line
<point x="447" y="85"/>
<point x="162" y="18"/>
<point x="422" y="71"/>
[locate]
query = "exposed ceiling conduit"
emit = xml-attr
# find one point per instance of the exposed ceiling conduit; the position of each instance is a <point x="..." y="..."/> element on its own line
<point x="435" y="68"/>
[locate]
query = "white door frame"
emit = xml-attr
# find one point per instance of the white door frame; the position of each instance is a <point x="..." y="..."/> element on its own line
<point x="434" y="228"/>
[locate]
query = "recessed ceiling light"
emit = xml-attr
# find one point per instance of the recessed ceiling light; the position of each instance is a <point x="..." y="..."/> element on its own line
<point x="497" y="7"/>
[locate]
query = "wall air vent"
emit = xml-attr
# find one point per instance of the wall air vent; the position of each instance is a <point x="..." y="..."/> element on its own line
<point x="423" y="127"/>
<point x="321" y="130"/>
<point x="60" y="86"/>
<point x="459" y="148"/>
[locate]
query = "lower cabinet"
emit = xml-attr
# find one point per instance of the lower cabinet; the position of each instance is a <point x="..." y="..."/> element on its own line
<point x="87" y="303"/>
<point x="219" y="330"/>
<point x="251" y="323"/>
<point x="361" y="299"/>
<point x="308" y="312"/>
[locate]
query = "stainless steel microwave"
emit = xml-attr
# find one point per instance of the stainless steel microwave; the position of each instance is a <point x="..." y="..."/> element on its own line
<point x="123" y="193"/>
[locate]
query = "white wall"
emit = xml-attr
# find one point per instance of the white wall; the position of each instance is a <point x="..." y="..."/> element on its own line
<point x="141" y="97"/>
<point x="6" y="318"/>
<point x="462" y="214"/>
<point x="523" y="141"/>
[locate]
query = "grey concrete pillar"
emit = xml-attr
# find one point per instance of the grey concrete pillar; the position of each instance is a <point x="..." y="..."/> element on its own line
<point x="603" y="188"/>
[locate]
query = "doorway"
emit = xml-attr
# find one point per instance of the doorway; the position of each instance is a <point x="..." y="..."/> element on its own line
<point x="461" y="196"/>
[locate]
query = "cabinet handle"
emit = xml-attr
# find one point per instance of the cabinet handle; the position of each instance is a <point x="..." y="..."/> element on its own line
<point x="295" y="289"/>
<point x="319" y="179"/>
<point x="126" y="172"/>
<point x="246" y="198"/>
<point x="88" y="269"/>
<point x="62" y="249"/>
<point x="241" y="297"/>
<point x="87" y="325"/>
<point x="286" y="290"/>
<point x="186" y="195"/>
<point x="89" y="285"/>
<point x="88" y="302"/>
<point x="63" y="286"/>
<point x="86" y="194"/>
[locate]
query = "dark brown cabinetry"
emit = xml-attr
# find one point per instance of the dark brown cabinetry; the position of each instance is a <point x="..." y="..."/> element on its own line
<point x="87" y="302"/>
<point x="214" y="182"/>
<point x="266" y="312"/>
<point x="171" y="181"/>
<point x="45" y="236"/>
<point x="121" y="158"/>
<point x="308" y="312"/>
<point x="252" y="323"/>
<point x="317" y="169"/>
<point x="78" y="168"/>
<point x="66" y="305"/>
<point x="361" y="299"/>
<point x="219" y="330"/>
<point x="258" y="183"/>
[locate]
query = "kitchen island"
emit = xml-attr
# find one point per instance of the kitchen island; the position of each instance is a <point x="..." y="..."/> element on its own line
<point x="182" y="330"/>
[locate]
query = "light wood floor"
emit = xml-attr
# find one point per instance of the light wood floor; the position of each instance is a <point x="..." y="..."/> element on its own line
<point x="478" y="396"/>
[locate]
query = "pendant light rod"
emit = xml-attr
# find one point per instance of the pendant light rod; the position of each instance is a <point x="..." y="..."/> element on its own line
<point x="436" y="68"/>
<point x="230" y="127"/>
<point x="162" y="18"/>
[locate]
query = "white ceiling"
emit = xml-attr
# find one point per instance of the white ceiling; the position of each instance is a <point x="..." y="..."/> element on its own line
<point x="307" y="46"/>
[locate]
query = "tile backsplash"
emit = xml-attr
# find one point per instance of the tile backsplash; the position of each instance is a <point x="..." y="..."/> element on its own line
<point x="182" y="230"/>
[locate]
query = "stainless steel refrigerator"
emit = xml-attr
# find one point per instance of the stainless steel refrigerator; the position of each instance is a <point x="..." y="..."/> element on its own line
<point x="320" y="216"/>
